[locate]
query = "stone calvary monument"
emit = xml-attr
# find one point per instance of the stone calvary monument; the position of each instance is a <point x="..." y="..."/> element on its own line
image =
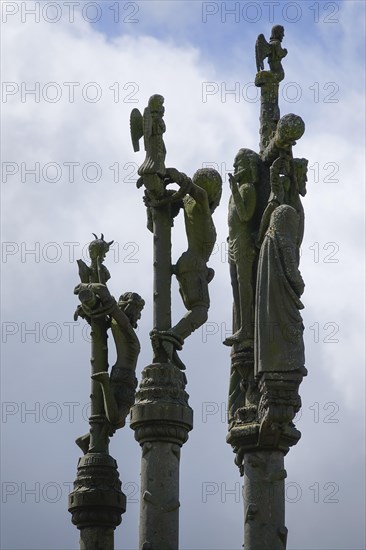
<point x="266" y="225"/>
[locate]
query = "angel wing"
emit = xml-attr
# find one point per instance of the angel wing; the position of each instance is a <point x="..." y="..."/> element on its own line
<point x="147" y="125"/>
<point x="262" y="49"/>
<point x="136" y="128"/>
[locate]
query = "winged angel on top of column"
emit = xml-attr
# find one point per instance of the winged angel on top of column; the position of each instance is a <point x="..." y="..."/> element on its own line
<point x="272" y="50"/>
<point x="151" y="127"/>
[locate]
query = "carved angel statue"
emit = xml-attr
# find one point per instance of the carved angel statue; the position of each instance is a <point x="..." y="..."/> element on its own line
<point x="272" y="50"/>
<point x="151" y="127"/>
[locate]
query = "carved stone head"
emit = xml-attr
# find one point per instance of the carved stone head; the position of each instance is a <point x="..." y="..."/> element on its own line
<point x="247" y="162"/>
<point x="99" y="248"/>
<point x="210" y="180"/>
<point x="277" y="33"/>
<point x="156" y="102"/>
<point x="289" y="128"/>
<point x="132" y="304"/>
<point x="285" y="223"/>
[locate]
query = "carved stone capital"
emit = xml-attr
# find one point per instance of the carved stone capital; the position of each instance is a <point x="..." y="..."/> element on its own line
<point x="268" y="425"/>
<point x="97" y="499"/>
<point x="161" y="411"/>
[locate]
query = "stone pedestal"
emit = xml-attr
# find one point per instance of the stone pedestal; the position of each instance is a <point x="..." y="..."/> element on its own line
<point x="261" y="433"/>
<point x="97" y="502"/>
<point x="161" y="419"/>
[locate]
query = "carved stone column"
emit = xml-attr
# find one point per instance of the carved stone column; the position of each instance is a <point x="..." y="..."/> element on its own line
<point x="161" y="419"/>
<point x="97" y="502"/>
<point x="264" y="501"/>
<point x="265" y="377"/>
<point x="269" y="112"/>
<point x="261" y="436"/>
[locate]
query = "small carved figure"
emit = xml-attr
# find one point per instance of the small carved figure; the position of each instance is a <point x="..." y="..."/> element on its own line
<point x="204" y="193"/>
<point x="273" y="50"/>
<point x="278" y="324"/>
<point x="289" y="128"/>
<point x="96" y="272"/>
<point x="242" y="249"/>
<point x="152" y="127"/>
<point x="298" y="187"/>
<point x="119" y="387"/>
<point x="112" y="396"/>
<point x="191" y="268"/>
<point x="280" y="183"/>
<point x="288" y="179"/>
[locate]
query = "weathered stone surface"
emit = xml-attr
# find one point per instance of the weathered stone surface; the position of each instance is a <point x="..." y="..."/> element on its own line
<point x="264" y="501"/>
<point x="161" y="419"/>
<point x="266" y="227"/>
<point x="111" y="395"/>
<point x="97" y="502"/>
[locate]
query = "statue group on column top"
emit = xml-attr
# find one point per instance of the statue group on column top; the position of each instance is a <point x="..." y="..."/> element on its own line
<point x="266" y="227"/>
<point x="198" y="197"/>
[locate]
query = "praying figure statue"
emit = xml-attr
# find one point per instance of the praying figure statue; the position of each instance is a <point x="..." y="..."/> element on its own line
<point x="242" y="248"/>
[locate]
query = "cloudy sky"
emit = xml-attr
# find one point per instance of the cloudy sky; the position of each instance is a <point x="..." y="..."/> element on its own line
<point x="72" y="73"/>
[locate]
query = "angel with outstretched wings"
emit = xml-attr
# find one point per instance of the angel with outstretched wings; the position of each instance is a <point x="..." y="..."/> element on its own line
<point x="272" y="50"/>
<point x="151" y="127"/>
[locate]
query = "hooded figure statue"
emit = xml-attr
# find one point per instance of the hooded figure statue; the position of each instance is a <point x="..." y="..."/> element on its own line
<point x="279" y="345"/>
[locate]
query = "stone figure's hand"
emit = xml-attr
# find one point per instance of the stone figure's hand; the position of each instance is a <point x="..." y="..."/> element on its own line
<point x="232" y="181"/>
<point x="149" y="202"/>
<point x="173" y="175"/>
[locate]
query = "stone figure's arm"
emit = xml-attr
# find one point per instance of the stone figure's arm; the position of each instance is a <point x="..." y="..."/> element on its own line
<point x="200" y="196"/>
<point x="278" y="51"/>
<point x="244" y="199"/>
<point x="123" y="322"/>
<point x="188" y="187"/>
